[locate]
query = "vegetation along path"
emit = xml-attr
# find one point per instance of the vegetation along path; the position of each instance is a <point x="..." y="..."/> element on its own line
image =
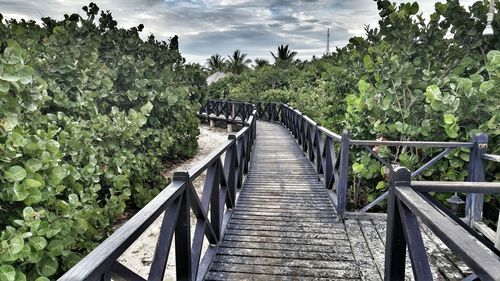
<point x="285" y="226"/>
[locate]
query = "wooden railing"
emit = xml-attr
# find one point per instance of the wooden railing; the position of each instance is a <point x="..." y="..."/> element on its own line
<point x="409" y="203"/>
<point x="231" y="112"/>
<point x="329" y="152"/>
<point x="212" y="211"/>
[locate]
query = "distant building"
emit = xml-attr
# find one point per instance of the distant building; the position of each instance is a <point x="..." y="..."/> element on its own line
<point x="215" y="77"/>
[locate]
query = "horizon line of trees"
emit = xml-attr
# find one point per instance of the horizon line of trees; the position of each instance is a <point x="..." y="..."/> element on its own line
<point x="238" y="62"/>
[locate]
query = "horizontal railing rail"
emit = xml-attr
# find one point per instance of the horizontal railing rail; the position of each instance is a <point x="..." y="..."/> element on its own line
<point x="332" y="164"/>
<point x="227" y="110"/>
<point x="211" y="210"/>
<point x="329" y="153"/>
<point x="409" y="204"/>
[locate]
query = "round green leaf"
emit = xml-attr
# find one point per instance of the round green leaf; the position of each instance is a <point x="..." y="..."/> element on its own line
<point x="59" y="173"/>
<point x="39" y="243"/>
<point x="20" y="276"/>
<point x="7" y="273"/>
<point x="9" y="122"/>
<point x="449" y="119"/>
<point x="28" y="213"/>
<point x="15" y="173"/>
<point x="55" y="248"/>
<point x="47" y="266"/>
<point x="33" y="164"/>
<point x="33" y="183"/>
<point x="19" y="192"/>
<point x="16" y="244"/>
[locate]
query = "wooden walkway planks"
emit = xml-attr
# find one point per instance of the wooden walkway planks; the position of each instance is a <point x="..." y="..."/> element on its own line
<point x="284" y="226"/>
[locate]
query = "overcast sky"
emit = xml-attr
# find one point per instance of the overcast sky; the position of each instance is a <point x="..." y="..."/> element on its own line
<point x="206" y="27"/>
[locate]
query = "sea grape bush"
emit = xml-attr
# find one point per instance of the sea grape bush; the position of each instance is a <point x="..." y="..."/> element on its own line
<point x="410" y="78"/>
<point x="88" y="113"/>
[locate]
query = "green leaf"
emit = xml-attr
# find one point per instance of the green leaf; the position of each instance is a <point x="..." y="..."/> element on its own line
<point x="20" y="276"/>
<point x="367" y="61"/>
<point x="28" y="214"/>
<point x="39" y="243"/>
<point x="34" y="197"/>
<point x="494" y="57"/>
<point x="414" y="8"/>
<point x="42" y="278"/>
<point x="380" y="185"/>
<point x="19" y="192"/>
<point x="147" y="108"/>
<point x="357" y="167"/>
<point x="16" y="244"/>
<point x="433" y="92"/>
<point x="7" y="273"/>
<point x="9" y="122"/>
<point x="31" y="183"/>
<point x="55" y="248"/>
<point x="4" y="86"/>
<point x="47" y="266"/>
<point x="449" y="119"/>
<point x="59" y="173"/>
<point x="15" y="174"/>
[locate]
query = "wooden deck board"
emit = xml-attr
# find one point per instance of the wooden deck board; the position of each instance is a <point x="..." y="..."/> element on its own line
<point x="284" y="226"/>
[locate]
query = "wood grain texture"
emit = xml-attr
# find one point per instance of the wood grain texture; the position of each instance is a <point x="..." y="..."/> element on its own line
<point x="284" y="226"/>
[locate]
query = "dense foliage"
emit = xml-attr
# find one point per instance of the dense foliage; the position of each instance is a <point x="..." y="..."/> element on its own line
<point x="408" y="79"/>
<point x="88" y="112"/>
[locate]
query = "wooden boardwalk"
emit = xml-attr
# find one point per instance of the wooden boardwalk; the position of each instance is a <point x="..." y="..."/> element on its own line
<point x="285" y="226"/>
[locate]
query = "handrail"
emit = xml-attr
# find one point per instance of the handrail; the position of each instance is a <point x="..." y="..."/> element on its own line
<point x="413" y="143"/>
<point x="331" y="164"/>
<point x="407" y="206"/>
<point x="212" y="211"/>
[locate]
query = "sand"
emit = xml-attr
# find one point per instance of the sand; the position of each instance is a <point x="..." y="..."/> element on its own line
<point x="140" y="254"/>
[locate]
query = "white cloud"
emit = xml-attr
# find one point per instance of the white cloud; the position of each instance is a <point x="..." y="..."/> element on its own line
<point x="206" y="27"/>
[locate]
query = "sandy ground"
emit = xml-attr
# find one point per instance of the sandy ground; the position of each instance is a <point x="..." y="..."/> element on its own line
<point x="140" y="255"/>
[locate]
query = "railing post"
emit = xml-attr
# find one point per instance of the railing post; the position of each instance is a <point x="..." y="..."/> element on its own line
<point x="230" y="168"/>
<point x="497" y="236"/>
<point x="474" y="201"/>
<point x="395" y="246"/>
<point x="343" y="174"/>
<point x="183" y="232"/>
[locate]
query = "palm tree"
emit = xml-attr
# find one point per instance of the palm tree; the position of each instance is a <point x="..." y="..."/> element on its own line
<point x="237" y="62"/>
<point x="284" y="54"/>
<point x="216" y="63"/>
<point x="259" y="63"/>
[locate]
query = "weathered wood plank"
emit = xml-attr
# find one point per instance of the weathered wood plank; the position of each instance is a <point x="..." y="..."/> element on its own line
<point x="287" y="247"/>
<point x="285" y="218"/>
<point x="288" y="262"/>
<point x="289" y="234"/>
<point x="374" y="243"/>
<point x="286" y="240"/>
<point x="295" y="272"/>
<point x="338" y="255"/>
<point x="307" y="214"/>
<point x="361" y="252"/>
<point x="216" y="275"/>
<point x="284" y="229"/>
<point x="325" y="225"/>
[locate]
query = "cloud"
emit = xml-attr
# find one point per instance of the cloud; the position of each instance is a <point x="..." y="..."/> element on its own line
<point x="206" y="27"/>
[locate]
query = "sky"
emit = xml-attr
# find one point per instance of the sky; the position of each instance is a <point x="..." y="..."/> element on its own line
<point x="206" y="27"/>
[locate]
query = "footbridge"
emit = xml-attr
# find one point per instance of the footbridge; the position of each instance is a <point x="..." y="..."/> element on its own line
<point x="273" y="206"/>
